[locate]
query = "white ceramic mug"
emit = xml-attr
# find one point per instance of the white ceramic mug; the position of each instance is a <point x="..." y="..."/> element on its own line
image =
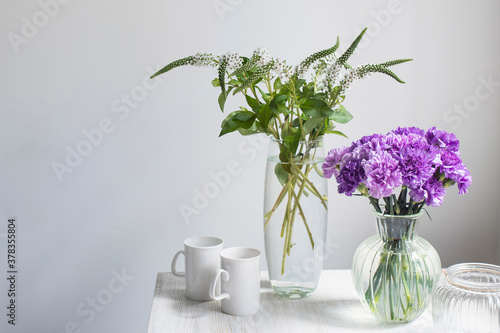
<point x="240" y="270"/>
<point x="202" y="259"/>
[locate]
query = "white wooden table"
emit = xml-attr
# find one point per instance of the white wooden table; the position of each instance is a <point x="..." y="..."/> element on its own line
<point x="334" y="307"/>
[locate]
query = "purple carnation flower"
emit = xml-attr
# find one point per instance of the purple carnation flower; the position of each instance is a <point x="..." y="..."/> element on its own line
<point x="377" y="143"/>
<point x="400" y="143"/>
<point x="417" y="194"/>
<point x="361" y="153"/>
<point x="450" y="164"/>
<point x="382" y="175"/>
<point x="415" y="157"/>
<point x="416" y="166"/>
<point x="396" y="142"/>
<point x="368" y="138"/>
<point x="408" y="130"/>
<point x="331" y="160"/>
<point x="442" y="139"/>
<point x="351" y="175"/>
<point x="432" y="192"/>
<point x="464" y="182"/>
<point x="455" y="169"/>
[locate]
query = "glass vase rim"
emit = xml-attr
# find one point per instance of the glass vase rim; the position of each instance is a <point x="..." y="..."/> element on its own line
<point x="318" y="139"/>
<point x="453" y="272"/>
<point x="413" y="216"/>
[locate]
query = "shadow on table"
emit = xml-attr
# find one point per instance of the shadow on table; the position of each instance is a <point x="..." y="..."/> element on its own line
<point x="181" y="306"/>
<point x="341" y="313"/>
<point x="346" y="313"/>
<point x="184" y="307"/>
<point x="352" y="314"/>
<point x="265" y="285"/>
<point x="323" y="314"/>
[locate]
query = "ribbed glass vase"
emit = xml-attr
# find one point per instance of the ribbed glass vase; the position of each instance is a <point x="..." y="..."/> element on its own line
<point x="396" y="271"/>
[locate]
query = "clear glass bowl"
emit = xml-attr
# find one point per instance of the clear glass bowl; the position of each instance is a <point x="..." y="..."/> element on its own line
<point x="467" y="299"/>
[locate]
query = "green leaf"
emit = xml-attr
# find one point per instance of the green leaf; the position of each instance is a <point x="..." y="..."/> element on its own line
<point x="308" y="90"/>
<point x="321" y="95"/>
<point x="291" y="141"/>
<point x="279" y="99"/>
<point x="311" y="124"/>
<point x="264" y="116"/>
<point x="315" y="108"/>
<point x="281" y="174"/>
<point x="277" y="84"/>
<point x="254" y="129"/>
<point x="428" y="215"/>
<point x="299" y="83"/>
<point x="278" y="104"/>
<point x="235" y="120"/>
<point x="215" y="82"/>
<point x="337" y="133"/>
<point x="222" y="100"/>
<point x="223" y="97"/>
<point x="284" y="90"/>
<point x="265" y="96"/>
<point x="253" y="103"/>
<point x="283" y="109"/>
<point x="341" y="115"/>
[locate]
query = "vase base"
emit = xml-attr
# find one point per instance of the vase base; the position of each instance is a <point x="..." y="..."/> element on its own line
<point x="293" y="292"/>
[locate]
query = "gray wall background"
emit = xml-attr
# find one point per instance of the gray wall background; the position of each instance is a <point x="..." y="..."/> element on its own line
<point x="74" y="69"/>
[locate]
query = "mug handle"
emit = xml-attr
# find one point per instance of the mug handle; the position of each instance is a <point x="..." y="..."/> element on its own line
<point x="213" y="284"/>
<point x="174" y="262"/>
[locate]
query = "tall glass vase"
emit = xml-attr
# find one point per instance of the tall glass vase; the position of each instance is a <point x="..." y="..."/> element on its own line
<point x="295" y="217"/>
<point x="395" y="272"/>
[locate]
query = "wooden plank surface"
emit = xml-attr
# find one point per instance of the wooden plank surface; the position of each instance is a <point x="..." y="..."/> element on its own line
<point x="334" y="307"/>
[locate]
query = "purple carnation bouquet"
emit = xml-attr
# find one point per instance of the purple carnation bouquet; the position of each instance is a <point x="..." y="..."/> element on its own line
<point x="420" y="164"/>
